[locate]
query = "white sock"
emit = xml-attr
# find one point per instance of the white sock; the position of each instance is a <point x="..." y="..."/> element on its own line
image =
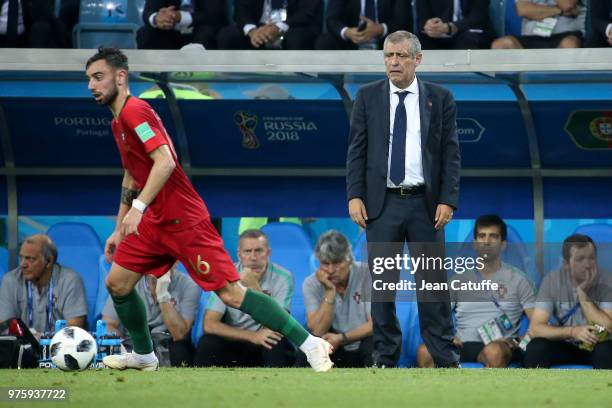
<point x="145" y="358"/>
<point x="310" y="343"/>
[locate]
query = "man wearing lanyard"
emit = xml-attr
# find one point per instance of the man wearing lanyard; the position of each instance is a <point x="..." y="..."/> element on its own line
<point x="578" y="296"/>
<point x="40" y="291"/>
<point x="477" y="310"/>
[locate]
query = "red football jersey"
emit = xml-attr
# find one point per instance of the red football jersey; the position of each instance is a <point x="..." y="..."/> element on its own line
<point x="138" y="131"/>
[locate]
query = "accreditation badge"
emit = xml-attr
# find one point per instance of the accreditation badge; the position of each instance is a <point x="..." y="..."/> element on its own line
<point x="545" y="27"/>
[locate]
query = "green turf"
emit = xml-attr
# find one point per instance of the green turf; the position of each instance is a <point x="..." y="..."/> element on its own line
<point x="368" y="388"/>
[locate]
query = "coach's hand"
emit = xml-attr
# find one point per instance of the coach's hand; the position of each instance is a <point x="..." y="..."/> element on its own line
<point x="266" y="338"/>
<point x="357" y="211"/>
<point x="111" y="245"/>
<point x="130" y="222"/>
<point x="335" y="339"/>
<point x="444" y="214"/>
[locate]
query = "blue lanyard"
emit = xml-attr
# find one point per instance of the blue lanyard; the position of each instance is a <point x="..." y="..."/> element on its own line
<point x="49" y="306"/>
<point x="493" y="299"/>
<point x="569" y="314"/>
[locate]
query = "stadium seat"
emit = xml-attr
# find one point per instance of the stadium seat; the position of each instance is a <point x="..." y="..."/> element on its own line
<point x="79" y="248"/>
<point x="198" y="324"/>
<point x="408" y="316"/>
<point x="108" y="22"/>
<point x="291" y="249"/>
<point x="360" y="249"/>
<point x="512" y="20"/>
<point x="3" y="262"/>
<point x="573" y="367"/>
<point x="497" y="14"/>
<point x="103" y="269"/>
<point x="602" y="235"/>
<point x="516" y="253"/>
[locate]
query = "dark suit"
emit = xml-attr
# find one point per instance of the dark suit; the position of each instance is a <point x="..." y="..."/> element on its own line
<point x="395" y="219"/>
<point x="42" y="28"/>
<point x="208" y="17"/>
<point x="304" y="19"/>
<point x="599" y="18"/>
<point x="345" y="13"/>
<point x="475" y="17"/>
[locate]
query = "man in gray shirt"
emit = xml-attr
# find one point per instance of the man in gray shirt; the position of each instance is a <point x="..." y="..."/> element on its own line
<point x="578" y="296"/>
<point x="338" y="302"/>
<point x="171" y="303"/>
<point x="40" y="291"/>
<point x="473" y="309"/>
<point x="233" y="338"/>
<point x="547" y="24"/>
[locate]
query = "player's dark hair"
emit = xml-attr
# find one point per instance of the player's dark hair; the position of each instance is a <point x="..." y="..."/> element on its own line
<point x="578" y="241"/>
<point x="491" y="220"/>
<point x="113" y="57"/>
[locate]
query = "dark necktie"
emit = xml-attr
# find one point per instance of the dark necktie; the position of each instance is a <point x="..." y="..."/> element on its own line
<point x="398" y="148"/>
<point x="370" y="10"/>
<point x="11" y="24"/>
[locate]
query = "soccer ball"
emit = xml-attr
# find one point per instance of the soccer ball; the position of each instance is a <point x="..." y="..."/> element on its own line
<point x="73" y="349"/>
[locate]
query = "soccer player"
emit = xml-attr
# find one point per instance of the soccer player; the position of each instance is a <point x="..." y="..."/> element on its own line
<point x="162" y="218"/>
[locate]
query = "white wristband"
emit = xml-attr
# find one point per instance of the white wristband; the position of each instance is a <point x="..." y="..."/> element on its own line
<point x="139" y="205"/>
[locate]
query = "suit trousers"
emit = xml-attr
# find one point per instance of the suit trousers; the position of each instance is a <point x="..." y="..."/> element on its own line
<point x="406" y="219"/>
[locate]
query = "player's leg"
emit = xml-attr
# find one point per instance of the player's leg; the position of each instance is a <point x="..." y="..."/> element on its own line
<point x="266" y="311"/>
<point x="131" y="310"/>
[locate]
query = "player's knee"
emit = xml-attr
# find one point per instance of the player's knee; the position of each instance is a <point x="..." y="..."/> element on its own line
<point x="507" y="42"/>
<point x="232" y="295"/>
<point x="571" y="41"/>
<point x="116" y="287"/>
<point x="423" y="357"/>
<point x="496" y="355"/>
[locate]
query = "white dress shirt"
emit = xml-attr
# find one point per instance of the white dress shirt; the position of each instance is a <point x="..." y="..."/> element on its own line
<point x="282" y="26"/>
<point x="414" y="163"/>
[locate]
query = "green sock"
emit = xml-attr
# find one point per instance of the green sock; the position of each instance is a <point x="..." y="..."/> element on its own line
<point x="267" y="312"/>
<point x="132" y="313"/>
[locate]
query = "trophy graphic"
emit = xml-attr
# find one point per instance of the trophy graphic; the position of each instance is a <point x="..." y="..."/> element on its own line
<point x="246" y="122"/>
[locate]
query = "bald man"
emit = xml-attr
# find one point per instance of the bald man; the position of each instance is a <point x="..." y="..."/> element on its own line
<point x="41" y="291"/>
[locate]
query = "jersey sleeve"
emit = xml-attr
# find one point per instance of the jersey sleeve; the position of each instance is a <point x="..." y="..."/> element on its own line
<point x="145" y="125"/>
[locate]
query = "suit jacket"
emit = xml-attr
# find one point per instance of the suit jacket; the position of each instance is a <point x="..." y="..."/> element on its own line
<point x="300" y="13"/>
<point x="345" y="13"/>
<point x="475" y="15"/>
<point x="600" y="18"/>
<point x="208" y="12"/>
<point x="368" y="152"/>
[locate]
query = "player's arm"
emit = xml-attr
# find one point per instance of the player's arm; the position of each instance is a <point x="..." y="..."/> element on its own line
<point x="360" y="332"/>
<point x="178" y="326"/>
<point x="214" y="325"/>
<point x="163" y="166"/>
<point x="112" y="326"/>
<point x="319" y="322"/>
<point x="77" y="321"/>
<point x="539" y="327"/>
<point x="532" y="11"/>
<point x="129" y="191"/>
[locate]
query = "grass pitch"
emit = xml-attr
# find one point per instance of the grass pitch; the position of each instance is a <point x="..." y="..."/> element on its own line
<point x="355" y="388"/>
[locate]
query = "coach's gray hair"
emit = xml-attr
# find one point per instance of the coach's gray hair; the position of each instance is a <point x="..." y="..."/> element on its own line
<point x="333" y="247"/>
<point x="399" y="36"/>
<point x="47" y="246"/>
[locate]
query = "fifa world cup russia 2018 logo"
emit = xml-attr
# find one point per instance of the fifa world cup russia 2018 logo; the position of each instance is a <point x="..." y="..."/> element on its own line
<point x="246" y="122"/>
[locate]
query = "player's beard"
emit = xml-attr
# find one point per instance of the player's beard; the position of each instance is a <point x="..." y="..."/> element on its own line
<point x="110" y="98"/>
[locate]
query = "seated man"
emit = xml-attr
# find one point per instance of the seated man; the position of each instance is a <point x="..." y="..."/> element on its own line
<point x="31" y="24"/>
<point x="444" y="24"/>
<point x="579" y="297"/>
<point x="171" y="24"/>
<point x="286" y="24"/>
<point x="547" y="24"/>
<point x="357" y="24"/>
<point x="338" y="303"/>
<point x="41" y="291"/>
<point x="475" y="309"/>
<point x="171" y="303"/>
<point x="600" y="33"/>
<point x="232" y="338"/>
